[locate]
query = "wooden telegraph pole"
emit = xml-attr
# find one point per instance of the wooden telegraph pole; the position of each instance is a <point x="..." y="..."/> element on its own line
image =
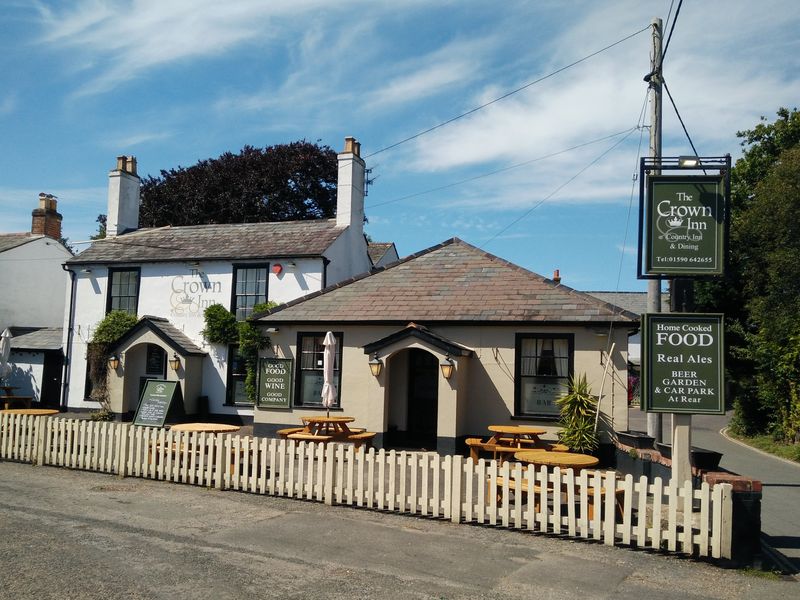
<point x="654" y="285"/>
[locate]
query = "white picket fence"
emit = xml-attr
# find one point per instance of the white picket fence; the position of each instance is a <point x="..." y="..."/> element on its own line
<point x="598" y="505"/>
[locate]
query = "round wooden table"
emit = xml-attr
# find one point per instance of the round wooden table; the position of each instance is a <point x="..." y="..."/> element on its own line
<point x="565" y="460"/>
<point x="39" y="412"/>
<point x="518" y="436"/>
<point x="205" y="427"/>
<point x="336" y="426"/>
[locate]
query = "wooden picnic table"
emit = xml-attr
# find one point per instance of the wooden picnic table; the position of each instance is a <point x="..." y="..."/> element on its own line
<point x="206" y="427"/>
<point x="519" y="436"/>
<point x="10" y="401"/>
<point x="333" y="426"/>
<point x="40" y="412"/>
<point x="565" y="460"/>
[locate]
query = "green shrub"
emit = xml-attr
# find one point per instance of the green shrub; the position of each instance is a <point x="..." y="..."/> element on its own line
<point x="220" y="325"/>
<point x="113" y="326"/>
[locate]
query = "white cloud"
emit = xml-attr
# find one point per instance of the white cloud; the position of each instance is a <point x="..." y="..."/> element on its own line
<point x="8" y="104"/>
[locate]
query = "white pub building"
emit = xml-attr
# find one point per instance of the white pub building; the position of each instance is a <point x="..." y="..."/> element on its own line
<point x="168" y="276"/>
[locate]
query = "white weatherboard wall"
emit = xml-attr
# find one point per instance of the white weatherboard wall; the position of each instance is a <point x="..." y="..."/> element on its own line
<point x="33" y="284"/>
<point x="180" y="292"/>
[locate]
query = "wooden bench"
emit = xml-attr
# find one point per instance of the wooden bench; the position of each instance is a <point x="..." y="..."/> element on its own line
<point x="476" y="445"/>
<point x="619" y="495"/>
<point x="20" y="401"/>
<point x="284" y="433"/>
<point x="309" y="437"/>
<point x="361" y="438"/>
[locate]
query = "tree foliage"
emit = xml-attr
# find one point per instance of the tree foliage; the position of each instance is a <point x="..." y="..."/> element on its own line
<point x="577" y="410"/>
<point x="760" y="294"/>
<point x="285" y="182"/>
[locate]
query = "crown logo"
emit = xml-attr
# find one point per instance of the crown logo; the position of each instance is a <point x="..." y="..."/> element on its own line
<point x="675" y="222"/>
<point x="186" y="299"/>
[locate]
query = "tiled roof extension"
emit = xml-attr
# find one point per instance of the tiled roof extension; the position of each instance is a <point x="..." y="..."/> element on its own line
<point x="453" y="281"/>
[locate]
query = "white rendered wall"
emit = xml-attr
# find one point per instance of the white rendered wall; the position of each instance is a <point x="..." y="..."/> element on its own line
<point x="33" y="284"/>
<point x="180" y="292"/>
<point x="26" y="373"/>
<point x="348" y="256"/>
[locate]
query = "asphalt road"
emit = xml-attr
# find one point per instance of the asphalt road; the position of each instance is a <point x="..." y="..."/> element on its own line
<point x="780" y="517"/>
<point x="73" y="534"/>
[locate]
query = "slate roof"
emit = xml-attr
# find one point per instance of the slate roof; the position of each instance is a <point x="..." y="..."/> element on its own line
<point x="635" y="302"/>
<point x="236" y="241"/>
<point x="174" y="337"/>
<point x="453" y="281"/>
<point x="377" y="250"/>
<point x="12" y="240"/>
<point x="45" y="338"/>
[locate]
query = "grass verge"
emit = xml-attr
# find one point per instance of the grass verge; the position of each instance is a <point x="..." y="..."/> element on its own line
<point x="767" y="444"/>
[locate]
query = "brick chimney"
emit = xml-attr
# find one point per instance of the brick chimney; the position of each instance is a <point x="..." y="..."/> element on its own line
<point x="557" y="276"/>
<point x="123" y="197"/>
<point x="45" y="219"/>
<point x="350" y="188"/>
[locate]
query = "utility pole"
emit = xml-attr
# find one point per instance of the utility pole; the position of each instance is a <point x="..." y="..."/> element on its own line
<point x="654" y="285"/>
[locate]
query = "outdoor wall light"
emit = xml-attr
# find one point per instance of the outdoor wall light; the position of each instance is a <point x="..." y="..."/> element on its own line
<point x="447" y="367"/>
<point x="375" y="365"/>
<point x="688" y="161"/>
<point x="113" y="362"/>
<point x="86" y="270"/>
<point x="174" y="362"/>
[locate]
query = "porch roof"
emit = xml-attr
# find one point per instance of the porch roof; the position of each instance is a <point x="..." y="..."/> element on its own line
<point x="413" y="330"/>
<point x="166" y="331"/>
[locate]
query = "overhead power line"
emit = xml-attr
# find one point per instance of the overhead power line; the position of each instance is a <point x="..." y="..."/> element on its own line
<point x="671" y="29"/>
<point x="559" y="188"/>
<point x="503" y="170"/>
<point x="506" y="95"/>
<point x="680" y="119"/>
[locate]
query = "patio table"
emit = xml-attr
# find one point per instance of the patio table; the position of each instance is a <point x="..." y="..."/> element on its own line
<point x="565" y="460"/>
<point x="206" y="427"/>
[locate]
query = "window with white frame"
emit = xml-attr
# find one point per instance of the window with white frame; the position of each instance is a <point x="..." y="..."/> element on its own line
<point x="310" y="375"/>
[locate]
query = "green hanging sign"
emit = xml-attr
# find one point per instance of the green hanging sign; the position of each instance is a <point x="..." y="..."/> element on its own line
<point x="274" y="383"/>
<point x="683" y="363"/>
<point x="685" y="229"/>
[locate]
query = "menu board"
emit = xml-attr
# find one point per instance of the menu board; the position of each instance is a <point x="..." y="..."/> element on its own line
<point x="156" y="401"/>
<point x="274" y="383"/>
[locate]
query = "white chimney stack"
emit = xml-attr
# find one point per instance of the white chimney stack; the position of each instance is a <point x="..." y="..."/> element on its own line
<point x="350" y="188"/>
<point x="123" y="197"/>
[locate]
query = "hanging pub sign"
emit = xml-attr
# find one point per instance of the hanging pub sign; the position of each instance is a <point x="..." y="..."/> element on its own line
<point x="274" y="383"/>
<point x="685" y="226"/>
<point x="682" y="363"/>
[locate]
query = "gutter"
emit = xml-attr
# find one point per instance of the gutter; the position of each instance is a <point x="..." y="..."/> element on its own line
<point x="65" y="379"/>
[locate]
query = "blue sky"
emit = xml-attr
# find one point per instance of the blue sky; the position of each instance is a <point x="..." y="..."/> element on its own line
<point x="172" y="82"/>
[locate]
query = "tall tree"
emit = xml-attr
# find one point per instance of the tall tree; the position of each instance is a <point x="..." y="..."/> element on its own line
<point x="760" y="294"/>
<point x="285" y="182"/>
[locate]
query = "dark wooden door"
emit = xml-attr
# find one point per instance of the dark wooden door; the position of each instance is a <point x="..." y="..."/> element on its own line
<point x="423" y="384"/>
<point x="51" y="378"/>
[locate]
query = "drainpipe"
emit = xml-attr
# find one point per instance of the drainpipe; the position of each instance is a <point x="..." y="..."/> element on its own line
<point x="70" y="328"/>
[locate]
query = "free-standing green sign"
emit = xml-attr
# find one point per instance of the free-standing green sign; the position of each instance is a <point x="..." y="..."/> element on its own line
<point x="682" y="363"/>
<point x="156" y="401"/>
<point x="274" y="383"/>
<point x="685" y="230"/>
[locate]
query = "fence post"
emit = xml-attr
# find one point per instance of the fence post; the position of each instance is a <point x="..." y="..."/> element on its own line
<point x="219" y="472"/>
<point x="122" y="430"/>
<point x="455" y="492"/>
<point x="38" y="444"/>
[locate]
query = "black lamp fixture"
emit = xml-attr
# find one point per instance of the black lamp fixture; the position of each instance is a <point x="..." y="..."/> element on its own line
<point x="174" y="362"/>
<point x="375" y="364"/>
<point x="447" y="367"/>
<point x="688" y="162"/>
<point x="113" y="362"/>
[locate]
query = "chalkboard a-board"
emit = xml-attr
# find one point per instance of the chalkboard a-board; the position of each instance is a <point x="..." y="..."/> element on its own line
<point x="156" y="401"/>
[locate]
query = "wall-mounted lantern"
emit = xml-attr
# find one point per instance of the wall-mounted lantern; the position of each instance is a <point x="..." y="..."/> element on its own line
<point x="447" y="367"/>
<point x="375" y="365"/>
<point x="113" y="362"/>
<point x="174" y="362"/>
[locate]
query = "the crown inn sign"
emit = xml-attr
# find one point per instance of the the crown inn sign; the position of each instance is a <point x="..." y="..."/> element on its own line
<point x="685" y="228"/>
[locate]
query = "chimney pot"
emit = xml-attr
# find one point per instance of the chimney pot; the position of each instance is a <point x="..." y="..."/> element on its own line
<point x="351" y="146"/>
<point x="557" y="276"/>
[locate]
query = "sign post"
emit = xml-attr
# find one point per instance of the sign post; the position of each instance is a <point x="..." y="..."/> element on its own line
<point x="274" y="383"/>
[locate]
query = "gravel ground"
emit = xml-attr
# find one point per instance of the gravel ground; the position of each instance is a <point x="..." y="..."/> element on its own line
<point x="72" y="534"/>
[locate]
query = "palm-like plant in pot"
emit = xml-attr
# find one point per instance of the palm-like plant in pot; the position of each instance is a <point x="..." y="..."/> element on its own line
<point x="578" y="408"/>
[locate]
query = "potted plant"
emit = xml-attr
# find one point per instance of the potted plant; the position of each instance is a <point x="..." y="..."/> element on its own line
<point x="578" y="408"/>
